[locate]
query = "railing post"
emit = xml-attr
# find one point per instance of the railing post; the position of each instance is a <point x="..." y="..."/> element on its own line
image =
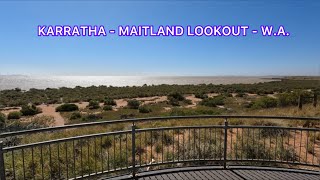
<point x="133" y="134"/>
<point x="225" y="143"/>
<point x="2" y="168"/>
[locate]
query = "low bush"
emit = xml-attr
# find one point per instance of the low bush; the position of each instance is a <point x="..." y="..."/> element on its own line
<point x="75" y="115"/>
<point x="213" y="102"/>
<point x="144" y="109"/>
<point x="288" y="99"/>
<point x="93" y="104"/>
<point x="201" y="95"/>
<point x="92" y="117"/>
<point x="14" y="115"/>
<point x="133" y="104"/>
<point x="30" y="110"/>
<point x="109" y="101"/>
<point x="173" y="102"/>
<point x="176" y="96"/>
<point x="107" y="108"/>
<point x="241" y="94"/>
<point x="67" y="108"/>
<point x="187" y="101"/>
<point x="265" y="102"/>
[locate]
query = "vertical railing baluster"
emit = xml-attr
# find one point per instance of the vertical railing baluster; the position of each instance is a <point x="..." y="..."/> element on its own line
<point x="33" y="165"/>
<point x="13" y="165"/>
<point x="74" y="160"/>
<point x="140" y="149"/>
<point x="199" y="144"/>
<point x="307" y="146"/>
<point x="162" y="154"/>
<point x="101" y="154"/>
<point x="313" y="147"/>
<point x="41" y="159"/>
<point x="95" y="155"/>
<point x="50" y="161"/>
<point x="236" y="140"/>
<point x="178" y="146"/>
<point x="59" y="164"/>
<point x="23" y="166"/>
<point x="127" y="150"/>
<point x="183" y="157"/>
<point x="2" y="167"/>
<point x="133" y="134"/>
<point x="294" y="145"/>
<point x="67" y="167"/>
<point x="172" y="145"/>
<point x="225" y="143"/>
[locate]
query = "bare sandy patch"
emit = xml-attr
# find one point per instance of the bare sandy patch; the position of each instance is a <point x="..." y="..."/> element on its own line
<point x="213" y="94"/>
<point x="195" y="101"/>
<point x="50" y="110"/>
<point x="121" y="103"/>
<point x="82" y="105"/>
<point x="7" y="110"/>
<point x="152" y="100"/>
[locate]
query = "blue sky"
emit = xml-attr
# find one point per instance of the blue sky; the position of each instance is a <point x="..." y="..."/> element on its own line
<point x="23" y="52"/>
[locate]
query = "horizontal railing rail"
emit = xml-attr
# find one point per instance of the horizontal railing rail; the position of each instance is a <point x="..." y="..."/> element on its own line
<point x="137" y="120"/>
<point x="138" y="150"/>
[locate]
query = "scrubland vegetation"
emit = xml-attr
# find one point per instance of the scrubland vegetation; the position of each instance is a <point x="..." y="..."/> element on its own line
<point x="273" y="98"/>
<point x="79" y="94"/>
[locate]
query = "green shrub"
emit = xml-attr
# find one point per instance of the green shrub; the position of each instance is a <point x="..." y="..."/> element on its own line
<point x="288" y="99"/>
<point x="213" y="102"/>
<point x="2" y="120"/>
<point x="133" y="104"/>
<point x="265" y="102"/>
<point x="67" y="108"/>
<point x="30" y="110"/>
<point x="247" y="104"/>
<point x="173" y="102"/>
<point x="107" y="108"/>
<point x="75" y="115"/>
<point x="14" y="115"/>
<point x="109" y="101"/>
<point x="201" y="95"/>
<point x="176" y="96"/>
<point x="240" y="94"/>
<point x="144" y="109"/>
<point x="187" y="101"/>
<point x="93" y="104"/>
<point x="92" y="117"/>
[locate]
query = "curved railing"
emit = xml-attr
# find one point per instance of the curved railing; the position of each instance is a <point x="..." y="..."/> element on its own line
<point x="137" y="149"/>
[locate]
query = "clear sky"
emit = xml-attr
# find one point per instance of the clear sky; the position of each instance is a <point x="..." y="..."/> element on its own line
<point x="23" y="52"/>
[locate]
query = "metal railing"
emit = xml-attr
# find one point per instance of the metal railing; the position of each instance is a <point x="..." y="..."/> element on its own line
<point x="136" y="150"/>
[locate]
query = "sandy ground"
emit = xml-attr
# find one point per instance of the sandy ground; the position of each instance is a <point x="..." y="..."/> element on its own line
<point x="152" y="100"/>
<point x="213" y="94"/>
<point x="50" y="110"/>
<point x="195" y="101"/>
<point x="6" y="111"/>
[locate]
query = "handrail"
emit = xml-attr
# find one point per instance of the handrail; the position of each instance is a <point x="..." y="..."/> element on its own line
<point x="80" y="125"/>
<point x="263" y="144"/>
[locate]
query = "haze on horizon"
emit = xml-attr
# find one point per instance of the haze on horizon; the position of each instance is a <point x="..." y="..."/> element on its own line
<point x="23" y="52"/>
